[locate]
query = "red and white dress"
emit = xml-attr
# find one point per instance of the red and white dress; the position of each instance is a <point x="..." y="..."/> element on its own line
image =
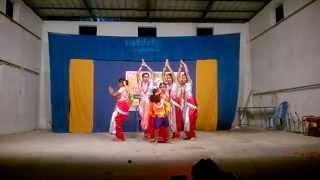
<point x="120" y="113"/>
<point x="175" y="115"/>
<point x="189" y="110"/>
<point x="145" y="90"/>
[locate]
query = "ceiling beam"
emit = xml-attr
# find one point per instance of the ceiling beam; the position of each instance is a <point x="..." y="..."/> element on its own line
<point x="266" y="3"/>
<point x="233" y="0"/>
<point x="148" y="8"/>
<point x="226" y="0"/>
<point x="131" y="9"/>
<point x="89" y="10"/>
<point x="221" y="0"/>
<point x="246" y="0"/>
<point x="31" y="7"/>
<point x="143" y="19"/>
<point x="205" y="12"/>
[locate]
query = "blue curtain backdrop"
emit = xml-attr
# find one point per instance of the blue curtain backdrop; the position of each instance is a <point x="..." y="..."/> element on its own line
<point x="62" y="48"/>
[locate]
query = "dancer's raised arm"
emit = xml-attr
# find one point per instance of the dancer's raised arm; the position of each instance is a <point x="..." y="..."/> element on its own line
<point x="179" y="72"/>
<point x="174" y="78"/>
<point x="186" y="70"/>
<point x="164" y="71"/>
<point x="139" y="72"/>
<point x="149" y="69"/>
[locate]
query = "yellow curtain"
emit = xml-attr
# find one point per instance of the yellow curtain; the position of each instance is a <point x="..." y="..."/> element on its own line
<point x="207" y="94"/>
<point x="81" y="95"/>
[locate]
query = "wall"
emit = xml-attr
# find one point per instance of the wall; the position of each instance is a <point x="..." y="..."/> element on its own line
<point x="266" y="18"/>
<point x="131" y="29"/>
<point x="3" y="6"/>
<point x="27" y="18"/>
<point x="286" y="56"/>
<point x="20" y="56"/>
<point x="19" y="100"/>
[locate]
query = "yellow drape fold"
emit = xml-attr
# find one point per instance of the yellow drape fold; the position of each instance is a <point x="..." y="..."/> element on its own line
<point x="207" y="94"/>
<point x="81" y="95"/>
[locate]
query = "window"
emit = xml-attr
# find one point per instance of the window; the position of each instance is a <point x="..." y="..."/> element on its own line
<point x="147" y="32"/>
<point x="9" y="8"/>
<point x="204" y="31"/>
<point x="88" y="30"/>
<point x="279" y="13"/>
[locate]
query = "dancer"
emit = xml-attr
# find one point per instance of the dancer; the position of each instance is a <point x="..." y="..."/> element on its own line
<point x="168" y="76"/>
<point x="189" y="104"/>
<point x="121" y="110"/>
<point x="175" y="115"/>
<point x="163" y="92"/>
<point x="145" y="84"/>
<point x="164" y="95"/>
<point x="159" y="110"/>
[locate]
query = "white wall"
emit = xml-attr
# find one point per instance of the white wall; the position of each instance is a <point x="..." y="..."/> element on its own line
<point x="27" y="18"/>
<point x="17" y="45"/>
<point x="3" y="6"/>
<point x="266" y="18"/>
<point x="131" y="29"/>
<point x="287" y="56"/>
<point x="19" y="95"/>
<point x="19" y="88"/>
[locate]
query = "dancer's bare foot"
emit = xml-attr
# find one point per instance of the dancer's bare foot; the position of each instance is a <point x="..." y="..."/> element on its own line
<point x="156" y="141"/>
<point x="174" y="140"/>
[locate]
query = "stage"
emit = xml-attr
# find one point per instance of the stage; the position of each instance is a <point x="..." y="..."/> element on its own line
<point x="248" y="153"/>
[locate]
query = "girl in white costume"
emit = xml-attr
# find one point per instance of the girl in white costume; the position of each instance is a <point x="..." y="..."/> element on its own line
<point x="121" y="110"/>
<point x="188" y="101"/>
<point x="145" y="84"/>
<point x="175" y="115"/>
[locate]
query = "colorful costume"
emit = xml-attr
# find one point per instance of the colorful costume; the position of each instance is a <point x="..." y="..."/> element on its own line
<point x="146" y="124"/>
<point x="189" y="110"/>
<point x="175" y="115"/>
<point x="159" y="113"/>
<point x="120" y="113"/>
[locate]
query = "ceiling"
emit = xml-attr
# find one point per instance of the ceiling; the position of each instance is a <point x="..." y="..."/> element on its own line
<point x="225" y="11"/>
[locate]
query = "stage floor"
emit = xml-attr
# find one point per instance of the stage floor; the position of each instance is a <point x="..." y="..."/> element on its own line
<point x="249" y="153"/>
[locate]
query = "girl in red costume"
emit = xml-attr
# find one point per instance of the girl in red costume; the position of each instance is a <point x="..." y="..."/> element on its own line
<point x="189" y="104"/>
<point x="121" y="110"/>
<point x="159" y="109"/>
<point x="175" y="115"/>
<point x="145" y="86"/>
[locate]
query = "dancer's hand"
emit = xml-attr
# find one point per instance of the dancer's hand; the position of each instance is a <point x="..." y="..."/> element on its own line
<point x="111" y="90"/>
<point x="184" y="63"/>
<point x="167" y="62"/>
<point x="143" y="63"/>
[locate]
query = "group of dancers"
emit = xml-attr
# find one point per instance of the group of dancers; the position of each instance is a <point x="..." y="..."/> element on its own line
<point x="165" y="109"/>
